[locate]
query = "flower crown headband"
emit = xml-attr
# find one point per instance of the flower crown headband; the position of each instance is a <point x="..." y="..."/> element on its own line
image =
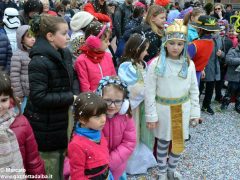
<point x="107" y="80"/>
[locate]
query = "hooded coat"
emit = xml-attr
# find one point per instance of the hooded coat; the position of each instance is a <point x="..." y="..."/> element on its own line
<point x="52" y="83"/>
<point x="19" y="66"/>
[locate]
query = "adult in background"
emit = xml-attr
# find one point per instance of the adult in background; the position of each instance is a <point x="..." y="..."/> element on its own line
<point x="30" y="8"/>
<point x="98" y="8"/>
<point x="219" y="11"/>
<point x="122" y="16"/>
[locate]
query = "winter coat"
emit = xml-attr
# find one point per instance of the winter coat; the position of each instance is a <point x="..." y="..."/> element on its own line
<point x="120" y="133"/>
<point x="33" y="164"/>
<point x="155" y="41"/>
<point x="19" y="66"/>
<point x="122" y="16"/>
<point x="134" y="22"/>
<point x="52" y="86"/>
<point x="212" y="70"/>
<point x="100" y="16"/>
<point x="89" y="73"/>
<point x="24" y="19"/>
<point x="85" y="154"/>
<point x="233" y="61"/>
<point x="5" y="53"/>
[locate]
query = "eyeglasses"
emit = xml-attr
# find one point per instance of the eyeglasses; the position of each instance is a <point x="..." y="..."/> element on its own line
<point x="116" y="102"/>
<point x="217" y="9"/>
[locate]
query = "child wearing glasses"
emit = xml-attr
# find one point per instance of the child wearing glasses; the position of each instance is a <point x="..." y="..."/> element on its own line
<point x="94" y="62"/>
<point x="119" y="128"/>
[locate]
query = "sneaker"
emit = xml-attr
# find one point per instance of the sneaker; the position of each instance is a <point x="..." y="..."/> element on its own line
<point x="174" y="175"/>
<point x="208" y="110"/>
<point x="162" y="176"/>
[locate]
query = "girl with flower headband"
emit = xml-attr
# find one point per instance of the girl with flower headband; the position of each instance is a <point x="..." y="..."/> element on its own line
<point x="53" y="85"/>
<point x="171" y="99"/>
<point x="87" y="151"/>
<point x="119" y="128"/>
<point x="94" y="63"/>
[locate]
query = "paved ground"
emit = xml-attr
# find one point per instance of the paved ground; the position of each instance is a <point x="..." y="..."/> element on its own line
<point x="213" y="153"/>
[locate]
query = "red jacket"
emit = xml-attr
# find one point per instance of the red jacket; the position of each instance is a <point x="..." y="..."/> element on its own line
<point x="90" y="73"/>
<point x="100" y="16"/>
<point x="32" y="162"/>
<point x="203" y="48"/>
<point x="85" y="154"/>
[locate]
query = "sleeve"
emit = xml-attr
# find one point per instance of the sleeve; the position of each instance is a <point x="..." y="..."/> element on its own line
<point x="118" y="22"/>
<point x="76" y="84"/>
<point x="34" y="164"/>
<point x="232" y="57"/>
<point x="9" y="55"/>
<point x="150" y="93"/>
<point x="77" y="161"/>
<point x="100" y="16"/>
<point x="126" y="148"/>
<point x="82" y="74"/>
<point x="39" y="92"/>
<point x="194" y="94"/>
<point x="15" y="71"/>
<point x="192" y="50"/>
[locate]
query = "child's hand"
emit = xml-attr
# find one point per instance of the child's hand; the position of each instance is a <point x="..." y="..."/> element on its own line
<point x="152" y="125"/>
<point x="219" y="52"/>
<point x="194" y="122"/>
<point x="203" y="74"/>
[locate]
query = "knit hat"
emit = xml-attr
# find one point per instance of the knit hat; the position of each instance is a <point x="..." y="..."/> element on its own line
<point x="80" y="20"/>
<point x="175" y="31"/>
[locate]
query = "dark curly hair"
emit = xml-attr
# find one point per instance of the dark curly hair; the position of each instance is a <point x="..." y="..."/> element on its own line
<point x="32" y="6"/>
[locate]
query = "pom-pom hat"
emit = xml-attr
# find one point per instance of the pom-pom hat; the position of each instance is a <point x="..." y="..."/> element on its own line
<point x="162" y="2"/>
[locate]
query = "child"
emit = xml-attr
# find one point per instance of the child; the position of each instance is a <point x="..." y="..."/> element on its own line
<point x="190" y="17"/>
<point x="233" y="36"/>
<point x="171" y="99"/>
<point x="233" y="78"/>
<point x="119" y="128"/>
<point x="19" y="65"/>
<point x="18" y="147"/>
<point x="52" y="85"/>
<point x="87" y="151"/>
<point x="133" y="72"/>
<point x="94" y="63"/>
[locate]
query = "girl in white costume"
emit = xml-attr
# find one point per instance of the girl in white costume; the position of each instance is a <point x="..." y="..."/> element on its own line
<point x="171" y="99"/>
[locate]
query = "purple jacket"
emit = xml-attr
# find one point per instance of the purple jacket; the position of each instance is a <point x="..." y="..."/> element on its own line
<point x="120" y="133"/>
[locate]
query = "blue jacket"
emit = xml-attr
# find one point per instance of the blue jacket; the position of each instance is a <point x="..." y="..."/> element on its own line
<point x="5" y="53"/>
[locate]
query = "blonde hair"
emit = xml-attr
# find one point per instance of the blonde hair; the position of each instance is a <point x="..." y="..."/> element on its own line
<point x="219" y="4"/>
<point x="153" y="11"/>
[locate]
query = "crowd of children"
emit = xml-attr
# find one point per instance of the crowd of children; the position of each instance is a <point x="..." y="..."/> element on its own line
<point x="146" y="90"/>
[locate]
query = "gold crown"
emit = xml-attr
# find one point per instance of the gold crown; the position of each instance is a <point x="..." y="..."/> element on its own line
<point x="177" y="26"/>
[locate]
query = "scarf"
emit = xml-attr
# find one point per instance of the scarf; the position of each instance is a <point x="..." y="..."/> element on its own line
<point x="94" y="135"/>
<point x="10" y="155"/>
<point x="94" y="56"/>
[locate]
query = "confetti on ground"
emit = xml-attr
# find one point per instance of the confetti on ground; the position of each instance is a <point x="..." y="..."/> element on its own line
<point x="213" y="153"/>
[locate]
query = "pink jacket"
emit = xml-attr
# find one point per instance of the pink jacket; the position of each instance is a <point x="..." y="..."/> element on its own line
<point x="89" y="73"/>
<point x="120" y="133"/>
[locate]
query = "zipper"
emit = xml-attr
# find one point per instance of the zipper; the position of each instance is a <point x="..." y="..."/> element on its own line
<point x="100" y="68"/>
